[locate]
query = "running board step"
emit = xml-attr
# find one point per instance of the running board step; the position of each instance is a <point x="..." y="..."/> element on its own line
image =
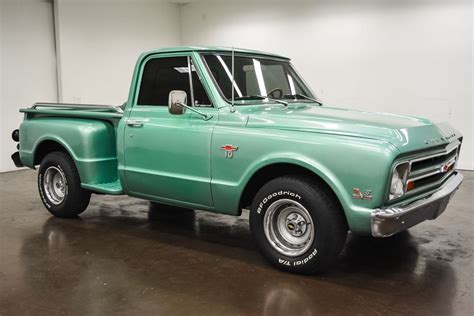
<point x="114" y="188"/>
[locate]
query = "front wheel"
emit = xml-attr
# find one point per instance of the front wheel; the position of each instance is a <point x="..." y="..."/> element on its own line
<point x="298" y="225"/>
<point x="59" y="186"/>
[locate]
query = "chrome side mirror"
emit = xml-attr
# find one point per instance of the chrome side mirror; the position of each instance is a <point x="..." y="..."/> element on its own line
<point x="176" y="100"/>
<point x="177" y="105"/>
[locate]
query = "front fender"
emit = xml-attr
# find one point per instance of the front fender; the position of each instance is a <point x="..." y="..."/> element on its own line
<point x="343" y="162"/>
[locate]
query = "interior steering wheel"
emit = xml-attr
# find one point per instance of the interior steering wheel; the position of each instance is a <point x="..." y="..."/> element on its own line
<point x="270" y="94"/>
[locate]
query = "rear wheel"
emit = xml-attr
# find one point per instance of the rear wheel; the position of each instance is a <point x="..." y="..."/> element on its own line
<point x="59" y="186"/>
<point x="298" y="225"/>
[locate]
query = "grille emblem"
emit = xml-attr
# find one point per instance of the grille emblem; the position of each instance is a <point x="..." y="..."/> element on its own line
<point x="446" y="167"/>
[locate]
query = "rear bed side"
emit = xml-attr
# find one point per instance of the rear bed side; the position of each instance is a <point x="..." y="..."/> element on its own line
<point x="91" y="143"/>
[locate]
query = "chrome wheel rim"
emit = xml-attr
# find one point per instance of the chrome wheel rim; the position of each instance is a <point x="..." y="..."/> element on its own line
<point x="55" y="185"/>
<point x="289" y="227"/>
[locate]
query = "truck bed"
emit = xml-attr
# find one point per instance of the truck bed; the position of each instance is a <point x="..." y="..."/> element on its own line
<point x="87" y="132"/>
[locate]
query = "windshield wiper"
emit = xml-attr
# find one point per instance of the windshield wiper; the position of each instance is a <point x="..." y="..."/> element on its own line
<point x="261" y="97"/>
<point x="302" y="96"/>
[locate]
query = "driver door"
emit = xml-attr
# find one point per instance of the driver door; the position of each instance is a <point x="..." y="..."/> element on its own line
<point x="167" y="156"/>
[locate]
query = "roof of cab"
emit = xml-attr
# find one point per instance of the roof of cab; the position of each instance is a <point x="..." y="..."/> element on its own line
<point x="209" y="49"/>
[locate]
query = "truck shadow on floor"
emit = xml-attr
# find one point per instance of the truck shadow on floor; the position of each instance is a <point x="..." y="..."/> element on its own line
<point x="121" y="240"/>
<point x="229" y="236"/>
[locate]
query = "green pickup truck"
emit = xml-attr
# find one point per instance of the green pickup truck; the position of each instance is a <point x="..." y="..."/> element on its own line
<point x="223" y="130"/>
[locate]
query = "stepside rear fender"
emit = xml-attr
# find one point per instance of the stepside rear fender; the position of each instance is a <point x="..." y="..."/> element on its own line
<point x="91" y="143"/>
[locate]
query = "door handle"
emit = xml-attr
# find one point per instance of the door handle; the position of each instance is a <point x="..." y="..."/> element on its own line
<point x="134" y="123"/>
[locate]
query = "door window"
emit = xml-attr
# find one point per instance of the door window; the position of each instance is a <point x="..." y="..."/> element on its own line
<point x="162" y="75"/>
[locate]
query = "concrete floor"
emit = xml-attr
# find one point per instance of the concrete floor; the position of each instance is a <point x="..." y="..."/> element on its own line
<point x="123" y="257"/>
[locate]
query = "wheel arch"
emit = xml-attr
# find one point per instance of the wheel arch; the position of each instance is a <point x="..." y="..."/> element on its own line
<point x="48" y="145"/>
<point x="275" y="169"/>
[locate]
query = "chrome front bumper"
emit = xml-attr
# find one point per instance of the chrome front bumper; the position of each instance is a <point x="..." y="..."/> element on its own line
<point x="388" y="221"/>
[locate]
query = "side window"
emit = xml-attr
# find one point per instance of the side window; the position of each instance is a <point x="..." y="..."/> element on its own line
<point x="160" y="77"/>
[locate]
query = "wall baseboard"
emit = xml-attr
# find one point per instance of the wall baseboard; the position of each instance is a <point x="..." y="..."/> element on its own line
<point x="466" y="166"/>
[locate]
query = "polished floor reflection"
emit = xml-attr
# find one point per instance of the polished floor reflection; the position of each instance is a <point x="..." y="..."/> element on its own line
<point x="123" y="256"/>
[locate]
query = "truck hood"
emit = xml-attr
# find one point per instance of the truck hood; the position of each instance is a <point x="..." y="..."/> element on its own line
<point x="407" y="133"/>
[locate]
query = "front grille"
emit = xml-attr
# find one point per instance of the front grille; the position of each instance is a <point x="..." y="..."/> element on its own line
<point x="432" y="162"/>
<point x="431" y="170"/>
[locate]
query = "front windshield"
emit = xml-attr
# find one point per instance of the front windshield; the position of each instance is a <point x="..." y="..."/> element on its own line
<point x="256" y="78"/>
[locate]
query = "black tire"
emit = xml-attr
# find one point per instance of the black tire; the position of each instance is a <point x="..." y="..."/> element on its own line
<point x="168" y="208"/>
<point x="285" y="197"/>
<point x="74" y="199"/>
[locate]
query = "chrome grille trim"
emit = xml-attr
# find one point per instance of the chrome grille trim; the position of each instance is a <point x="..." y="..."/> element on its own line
<point x="450" y="148"/>
<point x="436" y="168"/>
<point x="430" y="171"/>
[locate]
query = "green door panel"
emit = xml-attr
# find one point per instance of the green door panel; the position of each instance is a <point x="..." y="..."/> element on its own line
<point x="168" y="157"/>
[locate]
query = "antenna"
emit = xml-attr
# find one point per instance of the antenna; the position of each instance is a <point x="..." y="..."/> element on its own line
<point x="232" y="110"/>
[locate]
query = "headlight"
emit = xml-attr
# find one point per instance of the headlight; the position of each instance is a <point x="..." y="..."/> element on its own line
<point x="398" y="181"/>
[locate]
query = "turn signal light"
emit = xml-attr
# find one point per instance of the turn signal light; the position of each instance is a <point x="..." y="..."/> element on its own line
<point x="410" y="185"/>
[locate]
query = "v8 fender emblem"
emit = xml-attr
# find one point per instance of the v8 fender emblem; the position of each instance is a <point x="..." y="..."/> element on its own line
<point x="358" y="195"/>
<point x="229" y="150"/>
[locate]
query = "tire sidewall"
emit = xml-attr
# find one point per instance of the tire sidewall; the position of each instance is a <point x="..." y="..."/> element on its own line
<point x="314" y="256"/>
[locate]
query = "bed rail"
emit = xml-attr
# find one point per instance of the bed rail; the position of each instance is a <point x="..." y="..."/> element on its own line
<point x="115" y="108"/>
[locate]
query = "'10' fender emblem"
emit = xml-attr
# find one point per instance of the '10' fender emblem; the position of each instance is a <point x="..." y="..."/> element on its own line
<point x="229" y="150"/>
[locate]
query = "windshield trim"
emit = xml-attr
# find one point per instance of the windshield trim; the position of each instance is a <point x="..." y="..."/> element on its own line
<point x="255" y="102"/>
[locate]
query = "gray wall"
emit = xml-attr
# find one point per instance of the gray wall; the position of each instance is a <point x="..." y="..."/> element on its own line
<point x="407" y="57"/>
<point x="28" y="65"/>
